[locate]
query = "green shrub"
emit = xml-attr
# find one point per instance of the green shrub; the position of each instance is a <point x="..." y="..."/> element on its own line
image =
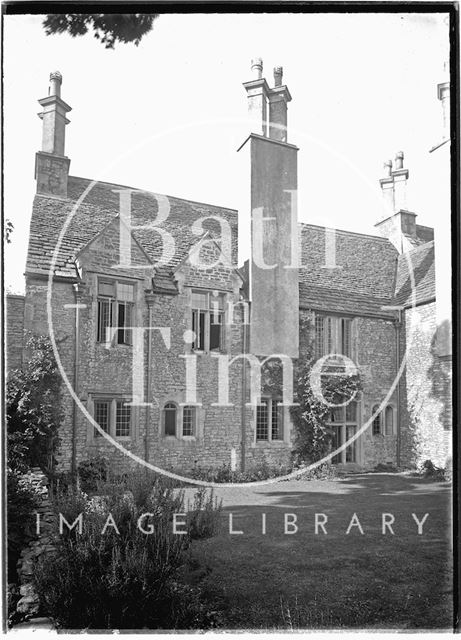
<point x="22" y="502"/>
<point x="33" y="409"/>
<point x="125" y="579"/>
<point x="431" y="472"/>
<point x="93" y="471"/>
<point x="322" y="472"/>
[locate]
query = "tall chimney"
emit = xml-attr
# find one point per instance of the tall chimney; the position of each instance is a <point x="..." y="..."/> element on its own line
<point x="398" y="224"/>
<point x="443" y="94"/>
<point x="274" y="277"/>
<point x="400" y="176"/>
<point x="257" y="90"/>
<point x="279" y="97"/>
<point x="51" y="165"/>
<point x="387" y="187"/>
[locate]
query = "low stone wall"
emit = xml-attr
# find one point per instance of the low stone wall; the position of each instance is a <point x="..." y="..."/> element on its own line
<point x="42" y="544"/>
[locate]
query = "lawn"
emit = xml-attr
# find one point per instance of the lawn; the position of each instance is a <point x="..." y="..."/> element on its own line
<point x="333" y="580"/>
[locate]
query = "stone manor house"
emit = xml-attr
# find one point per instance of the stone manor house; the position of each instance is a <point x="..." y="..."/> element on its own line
<point x="376" y="304"/>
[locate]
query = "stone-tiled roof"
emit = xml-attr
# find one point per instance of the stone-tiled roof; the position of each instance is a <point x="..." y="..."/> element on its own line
<point x="369" y="274"/>
<point x="420" y="262"/>
<point x="365" y="266"/>
<point x="101" y="205"/>
<point x="338" y="301"/>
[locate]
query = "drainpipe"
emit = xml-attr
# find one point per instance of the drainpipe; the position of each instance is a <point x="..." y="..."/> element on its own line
<point x="150" y="302"/>
<point x="398" y="325"/>
<point x="78" y="296"/>
<point x="246" y="327"/>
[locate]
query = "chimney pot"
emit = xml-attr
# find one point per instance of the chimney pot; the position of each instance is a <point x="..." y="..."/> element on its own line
<point x="257" y="67"/>
<point x="399" y="160"/>
<point x="278" y="76"/>
<point x="387" y="167"/>
<point x="55" y="83"/>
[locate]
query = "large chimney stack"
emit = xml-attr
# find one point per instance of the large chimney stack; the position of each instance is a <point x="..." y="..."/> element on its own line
<point x="51" y="165"/>
<point x="274" y="278"/>
<point x="398" y="224"/>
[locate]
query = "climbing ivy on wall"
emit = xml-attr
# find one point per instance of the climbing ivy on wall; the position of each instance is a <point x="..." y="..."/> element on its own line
<point x="312" y="434"/>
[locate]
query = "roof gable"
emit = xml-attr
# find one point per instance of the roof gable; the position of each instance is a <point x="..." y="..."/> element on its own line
<point x="104" y="253"/>
<point x="98" y="207"/>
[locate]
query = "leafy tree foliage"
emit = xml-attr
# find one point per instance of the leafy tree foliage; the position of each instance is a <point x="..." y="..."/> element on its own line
<point x="33" y="409"/>
<point x="108" y="28"/>
<point x="8" y="230"/>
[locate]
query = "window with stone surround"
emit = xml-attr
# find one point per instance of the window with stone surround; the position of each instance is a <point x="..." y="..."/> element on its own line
<point x="169" y="419"/>
<point x="333" y="335"/>
<point x="377" y="422"/>
<point x="115" y="311"/>
<point x="269" y="420"/>
<point x="183" y="416"/>
<point x="389" y="420"/>
<point x="114" y="416"/>
<point x="343" y="423"/>
<point x="383" y="423"/>
<point x="207" y="309"/>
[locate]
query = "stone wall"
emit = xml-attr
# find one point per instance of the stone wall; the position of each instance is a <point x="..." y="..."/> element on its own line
<point x="14" y="331"/>
<point x="426" y="400"/>
<point x="41" y="545"/>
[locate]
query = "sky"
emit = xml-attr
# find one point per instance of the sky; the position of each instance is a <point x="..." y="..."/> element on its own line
<point x="169" y="115"/>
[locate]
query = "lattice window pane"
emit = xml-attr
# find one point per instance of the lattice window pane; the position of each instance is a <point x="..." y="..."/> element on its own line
<point x="319" y="336"/>
<point x="262" y="421"/>
<point x="337" y="414"/>
<point x="330" y="328"/>
<point x="106" y="289"/>
<point x="376" y="427"/>
<point x="188" y="421"/>
<point x="101" y="416"/>
<point x="125" y="313"/>
<point x="276" y="420"/>
<point x="199" y="300"/>
<point x="351" y="449"/>
<point x="198" y="327"/>
<point x="122" y="419"/>
<point x="125" y="292"/>
<point x="216" y="302"/>
<point x="216" y="321"/>
<point x="346" y="337"/>
<point x="104" y="318"/>
<point x="351" y="411"/>
<point x="336" y="441"/>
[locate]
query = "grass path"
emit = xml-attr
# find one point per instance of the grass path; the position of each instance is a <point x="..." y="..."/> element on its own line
<point x="303" y="580"/>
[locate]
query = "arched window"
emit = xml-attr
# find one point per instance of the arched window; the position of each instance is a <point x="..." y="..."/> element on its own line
<point x="169" y="419"/>
<point x="189" y="416"/>
<point x="376" y="422"/>
<point x="389" y="420"/>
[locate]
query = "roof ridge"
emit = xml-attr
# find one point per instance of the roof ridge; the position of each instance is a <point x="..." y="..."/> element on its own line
<point x="124" y="186"/>
<point x="346" y="232"/>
